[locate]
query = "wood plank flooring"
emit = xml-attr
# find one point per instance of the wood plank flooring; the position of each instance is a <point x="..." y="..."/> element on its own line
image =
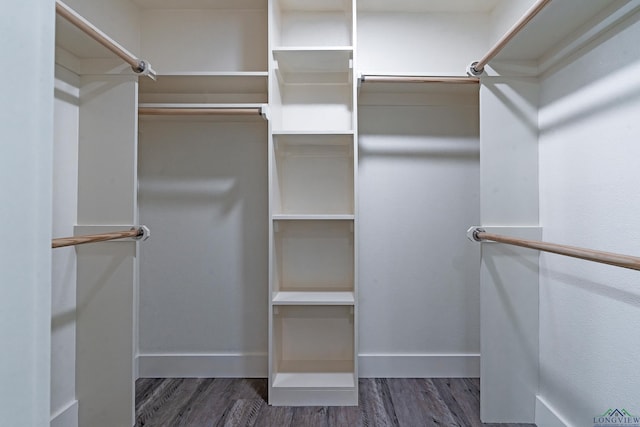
<point x="232" y="402"/>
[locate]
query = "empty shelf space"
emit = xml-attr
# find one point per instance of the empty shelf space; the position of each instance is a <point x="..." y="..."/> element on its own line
<point x="313" y="256"/>
<point x="321" y="23"/>
<point x="313" y="175"/>
<point x="313" y="298"/>
<point x="221" y="87"/>
<point x="313" y="346"/>
<point x="308" y="65"/>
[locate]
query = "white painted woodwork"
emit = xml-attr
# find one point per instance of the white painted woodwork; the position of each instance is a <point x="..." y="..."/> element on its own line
<point x="312" y="190"/>
<point x="26" y="159"/>
<point x="64" y="261"/>
<point x="509" y="325"/>
<point x="297" y="203"/>
<point x="509" y="277"/>
<point x="107" y="272"/>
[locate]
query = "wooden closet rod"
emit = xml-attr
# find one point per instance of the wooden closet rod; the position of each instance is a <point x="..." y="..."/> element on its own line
<point x="138" y="65"/>
<point x="476" y="68"/>
<point x="618" y="260"/>
<point x="378" y="78"/>
<point x="136" y="233"/>
<point x="220" y="111"/>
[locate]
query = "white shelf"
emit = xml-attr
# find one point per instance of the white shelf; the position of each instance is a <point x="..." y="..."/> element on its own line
<point x="314" y="380"/>
<point x="313" y="217"/>
<point x="313" y="298"/>
<point x="312" y="132"/>
<point x="209" y="87"/>
<point x="314" y="65"/>
<point x="207" y="82"/>
<point x="202" y="4"/>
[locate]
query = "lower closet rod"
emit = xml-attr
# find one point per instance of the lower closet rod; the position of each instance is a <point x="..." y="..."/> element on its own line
<point x="151" y="111"/>
<point x="618" y="260"/>
<point x="136" y="233"/>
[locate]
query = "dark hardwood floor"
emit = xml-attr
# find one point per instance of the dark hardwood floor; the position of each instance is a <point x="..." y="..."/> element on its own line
<point x="197" y="402"/>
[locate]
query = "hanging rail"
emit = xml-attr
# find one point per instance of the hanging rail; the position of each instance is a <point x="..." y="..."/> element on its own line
<point x="619" y="260"/>
<point x="138" y="65"/>
<point x="137" y="233"/>
<point x="476" y="68"/>
<point x="219" y="111"/>
<point x="378" y="78"/>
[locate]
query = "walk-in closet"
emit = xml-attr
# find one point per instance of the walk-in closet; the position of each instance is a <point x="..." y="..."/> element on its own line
<point x="320" y="212"/>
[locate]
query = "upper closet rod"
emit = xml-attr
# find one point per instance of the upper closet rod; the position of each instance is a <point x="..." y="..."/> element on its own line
<point x="379" y="78"/>
<point x="137" y="233"/>
<point x="138" y="65"/>
<point x="625" y="261"/>
<point x="476" y="68"/>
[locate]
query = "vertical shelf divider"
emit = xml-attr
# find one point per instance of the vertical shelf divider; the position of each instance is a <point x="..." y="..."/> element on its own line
<point x="312" y="203"/>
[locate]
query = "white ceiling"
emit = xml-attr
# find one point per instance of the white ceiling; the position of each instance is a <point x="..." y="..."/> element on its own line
<point x="202" y="4"/>
<point x="461" y="6"/>
<point x="364" y="5"/>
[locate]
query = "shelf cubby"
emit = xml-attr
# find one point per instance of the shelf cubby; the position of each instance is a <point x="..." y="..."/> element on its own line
<point x="313" y="347"/>
<point x="313" y="175"/>
<point x="313" y="107"/>
<point x="319" y="23"/>
<point x="313" y="256"/>
<point x="299" y="65"/>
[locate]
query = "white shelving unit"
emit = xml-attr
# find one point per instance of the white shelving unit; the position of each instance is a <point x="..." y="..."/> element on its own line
<point x="312" y="167"/>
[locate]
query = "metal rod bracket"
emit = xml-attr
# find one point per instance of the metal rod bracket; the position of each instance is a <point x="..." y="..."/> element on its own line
<point x="143" y="233"/>
<point x="472" y="233"/>
<point x="472" y="71"/>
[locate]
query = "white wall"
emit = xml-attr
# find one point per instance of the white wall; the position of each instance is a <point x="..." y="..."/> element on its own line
<point x="234" y="40"/>
<point x="419" y="280"/>
<point x="65" y="206"/>
<point x="26" y="125"/>
<point x="504" y="15"/>
<point x="590" y="313"/>
<point x="203" y="274"/>
<point x="428" y="43"/>
<point x="119" y="19"/>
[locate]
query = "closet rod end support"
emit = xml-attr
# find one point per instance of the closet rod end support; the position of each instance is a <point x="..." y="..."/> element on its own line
<point x="144" y="69"/>
<point x="473" y="71"/>
<point x="472" y="233"/>
<point x="143" y="233"/>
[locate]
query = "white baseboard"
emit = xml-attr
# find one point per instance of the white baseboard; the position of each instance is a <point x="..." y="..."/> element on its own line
<point x="398" y="365"/>
<point x="546" y="416"/>
<point x="67" y="417"/>
<point x="218" y="365"/>
<point x="255" y="365"/>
